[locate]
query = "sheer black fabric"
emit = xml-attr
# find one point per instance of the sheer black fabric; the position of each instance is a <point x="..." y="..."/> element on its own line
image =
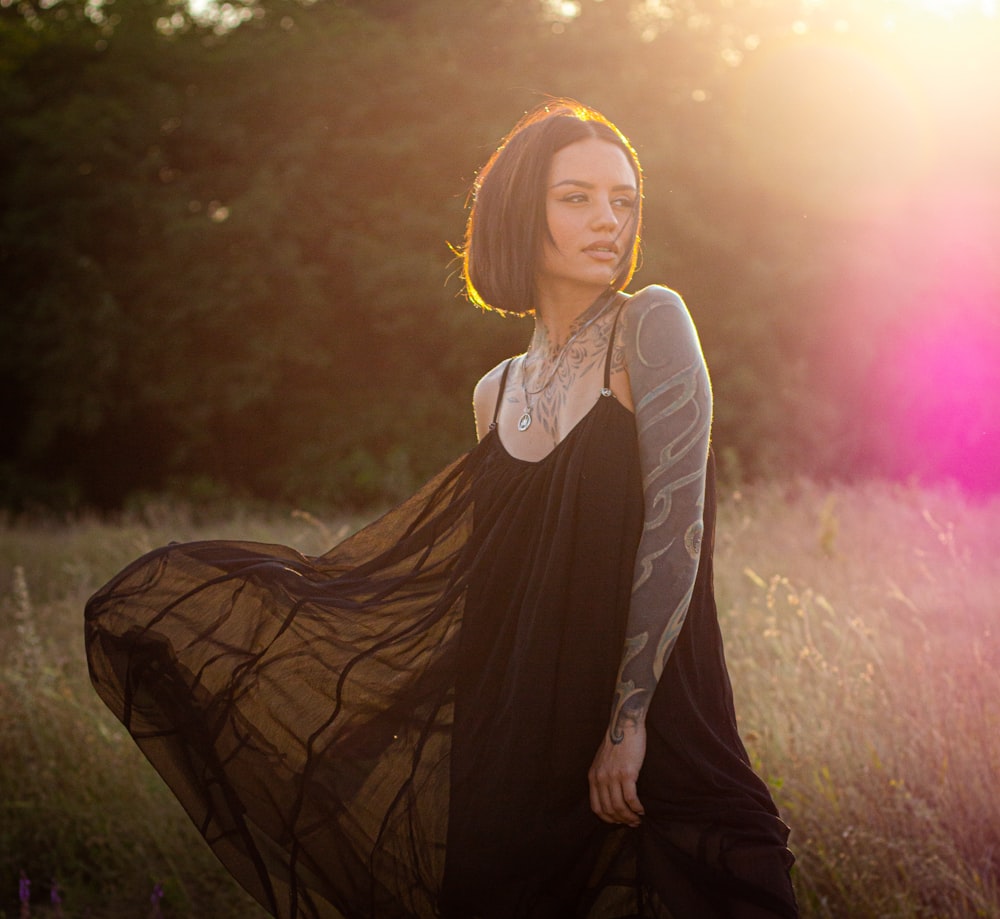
<point x="301" y="708"/>
<point x="403" y="726"/>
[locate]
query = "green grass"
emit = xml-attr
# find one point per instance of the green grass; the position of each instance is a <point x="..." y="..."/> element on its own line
<point x="862" y="642"/>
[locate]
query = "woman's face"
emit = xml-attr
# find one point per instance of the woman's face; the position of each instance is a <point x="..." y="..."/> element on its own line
<point x="590" y="207"/>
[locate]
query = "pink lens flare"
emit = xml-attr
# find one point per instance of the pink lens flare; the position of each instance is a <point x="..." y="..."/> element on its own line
<point x="944" y="405"/>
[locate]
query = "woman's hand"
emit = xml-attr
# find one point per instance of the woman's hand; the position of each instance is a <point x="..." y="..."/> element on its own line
<point x="614" y="774"/>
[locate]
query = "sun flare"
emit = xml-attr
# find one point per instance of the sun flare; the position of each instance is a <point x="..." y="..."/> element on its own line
<point x="951" y="9"/>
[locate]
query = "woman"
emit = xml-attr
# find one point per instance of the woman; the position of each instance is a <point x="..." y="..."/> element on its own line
<point x="507" y="697"/>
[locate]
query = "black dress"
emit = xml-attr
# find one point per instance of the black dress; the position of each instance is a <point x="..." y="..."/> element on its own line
<point x="403" y="726"/>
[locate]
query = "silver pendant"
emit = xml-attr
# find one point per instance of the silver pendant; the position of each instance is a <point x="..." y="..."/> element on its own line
<point x="524" y="422"/>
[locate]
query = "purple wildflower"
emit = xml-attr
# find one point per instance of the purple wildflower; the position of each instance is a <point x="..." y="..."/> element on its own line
<point x="154" y="900"/>
<point x="24" y="893"/>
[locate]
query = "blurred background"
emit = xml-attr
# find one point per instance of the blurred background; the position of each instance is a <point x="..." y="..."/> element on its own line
<point x="224" y="232"/>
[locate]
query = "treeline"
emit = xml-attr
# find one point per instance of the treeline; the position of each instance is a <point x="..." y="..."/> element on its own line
<point x="224" y="260"/>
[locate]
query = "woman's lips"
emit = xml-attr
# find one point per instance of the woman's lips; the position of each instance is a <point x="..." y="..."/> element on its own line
<point x="603" y="252"/>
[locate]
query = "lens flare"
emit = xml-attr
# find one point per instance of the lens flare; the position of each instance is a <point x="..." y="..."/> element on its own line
<point x="935" y="375"/>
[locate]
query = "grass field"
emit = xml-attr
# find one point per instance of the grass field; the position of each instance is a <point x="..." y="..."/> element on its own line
<point x="863" y="644"/>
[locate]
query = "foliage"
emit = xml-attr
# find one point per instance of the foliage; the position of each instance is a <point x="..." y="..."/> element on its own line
<point x="859" y="629"/>
<point x="223" y="246"/>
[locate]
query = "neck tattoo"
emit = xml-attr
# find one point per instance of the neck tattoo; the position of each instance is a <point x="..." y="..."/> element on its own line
<point x="524" y="422"/>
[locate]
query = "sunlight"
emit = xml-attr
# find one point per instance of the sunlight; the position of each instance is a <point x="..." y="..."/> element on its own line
<point x="854" y="113"/>
<point x="560" y="12"/>
<point x="835" y="126"/>
<point x="882" y="124"/>
<point x="950" y="9"/>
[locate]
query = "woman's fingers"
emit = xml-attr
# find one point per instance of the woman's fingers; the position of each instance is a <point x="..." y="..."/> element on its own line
<point x="615" y="802"/>
<point x="613" y="776"/>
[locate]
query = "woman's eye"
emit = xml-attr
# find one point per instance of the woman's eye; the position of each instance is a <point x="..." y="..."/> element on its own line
<point x="581" y="198"/>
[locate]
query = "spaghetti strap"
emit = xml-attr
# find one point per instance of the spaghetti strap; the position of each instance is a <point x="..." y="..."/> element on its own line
<point x="503" y="386"/>
<point x="606" y="391"/>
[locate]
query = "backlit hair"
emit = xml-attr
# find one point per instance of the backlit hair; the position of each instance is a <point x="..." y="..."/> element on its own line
<point x="507" y="222"/>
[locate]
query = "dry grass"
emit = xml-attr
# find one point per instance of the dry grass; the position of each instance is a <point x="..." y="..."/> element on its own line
<point x="860" y="635"/>
<point x="78" y="802"/>
<point x="862" y="640"/>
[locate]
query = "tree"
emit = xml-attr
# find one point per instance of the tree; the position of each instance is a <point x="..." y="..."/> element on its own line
<point x="223" y="242"/>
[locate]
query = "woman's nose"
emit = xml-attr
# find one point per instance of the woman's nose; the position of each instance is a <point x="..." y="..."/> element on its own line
<point x="605" y="216"/>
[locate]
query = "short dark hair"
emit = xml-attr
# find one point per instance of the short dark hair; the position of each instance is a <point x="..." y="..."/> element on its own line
<point x="507" y="223"/>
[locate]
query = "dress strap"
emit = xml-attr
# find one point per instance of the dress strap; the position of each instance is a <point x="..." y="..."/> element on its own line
<point x="503" y="386"/>
<point x="611" y="347"/>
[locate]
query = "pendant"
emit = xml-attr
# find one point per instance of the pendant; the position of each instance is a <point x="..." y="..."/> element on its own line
<point x="524" y="422"/>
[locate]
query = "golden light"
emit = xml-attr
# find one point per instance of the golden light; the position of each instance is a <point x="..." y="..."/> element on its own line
<point x="856" y="112"/>
<point x="950" y="9"/>
<point x="878" y="122"/>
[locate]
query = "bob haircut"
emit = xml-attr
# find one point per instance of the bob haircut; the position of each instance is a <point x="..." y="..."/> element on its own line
<point x="507" y="222"/>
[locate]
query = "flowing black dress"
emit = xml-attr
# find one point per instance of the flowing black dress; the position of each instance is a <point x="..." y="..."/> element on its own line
<point x="403" y="726"/>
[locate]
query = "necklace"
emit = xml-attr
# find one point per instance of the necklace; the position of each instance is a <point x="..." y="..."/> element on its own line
<point x="524" y="422"/>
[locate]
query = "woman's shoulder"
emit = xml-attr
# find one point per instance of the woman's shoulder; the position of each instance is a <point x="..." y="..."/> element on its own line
<point x="652" y="298"/>
<point x="657" y="321"/>
<point x="658" y="305"/>
<point x="489" y="382"/>
<point x="485" y="395"/>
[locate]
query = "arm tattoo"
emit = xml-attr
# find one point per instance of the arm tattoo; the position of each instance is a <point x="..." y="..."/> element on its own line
<point x="627" y="690"/>
<point x="673" y="408"/>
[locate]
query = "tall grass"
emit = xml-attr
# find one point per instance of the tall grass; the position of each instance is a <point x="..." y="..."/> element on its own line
<point x="860" y="635"/>
<point x="78" y="802"/>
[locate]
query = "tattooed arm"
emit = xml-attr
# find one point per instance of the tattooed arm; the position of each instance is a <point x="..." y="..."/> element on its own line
<point x="673" y="407"/>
